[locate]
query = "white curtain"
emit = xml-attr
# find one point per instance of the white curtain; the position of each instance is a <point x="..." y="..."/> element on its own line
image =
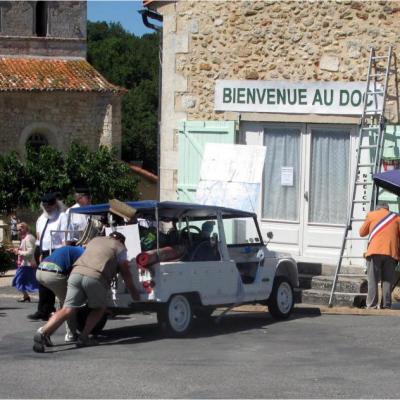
<point x="329" y="176"/>
<point x="283" y="150"/>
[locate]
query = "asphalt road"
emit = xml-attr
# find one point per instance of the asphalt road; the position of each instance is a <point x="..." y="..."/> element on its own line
<point x="247" y="355"/>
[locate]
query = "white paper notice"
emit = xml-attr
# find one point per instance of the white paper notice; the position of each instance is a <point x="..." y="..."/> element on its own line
<point x="287" y="176"/>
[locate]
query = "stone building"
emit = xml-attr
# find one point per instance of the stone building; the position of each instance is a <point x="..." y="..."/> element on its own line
<point x="231" y="72"/>
<point x="49" y="93"/>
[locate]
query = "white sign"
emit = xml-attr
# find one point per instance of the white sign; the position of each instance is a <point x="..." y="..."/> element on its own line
<point x="287" y="176"/>
<point x="231" y="175"/>
<point x="336" y="98"/>
<point x="232" y="163"/>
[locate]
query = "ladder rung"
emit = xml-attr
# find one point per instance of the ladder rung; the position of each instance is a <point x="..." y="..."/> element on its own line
<point x="370" y="128"/>
<point x="379" y="58"/>
<point x="348" y="257"/>
<point x="350" y="294"/>
<point x="371" y="146"/>
<point x="357" y="220"/>
<point x="376" y="75"/>
<point x="371" y="92"/>
<point x="373" y="112"/>
<point x="366" y="165"/>
<point x="358" y="238"/>
<point x="364" y="183"/>
<point x="353" y="275"/>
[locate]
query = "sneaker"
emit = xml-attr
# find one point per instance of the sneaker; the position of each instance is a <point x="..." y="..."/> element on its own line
<point x="39" y="342"/>
<point x="47" y="340"/>
<point x="70" y="337"/>
<point x="86" y="341"/>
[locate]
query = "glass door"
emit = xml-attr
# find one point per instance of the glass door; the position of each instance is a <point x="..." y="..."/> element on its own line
<point x="326" y="191"/>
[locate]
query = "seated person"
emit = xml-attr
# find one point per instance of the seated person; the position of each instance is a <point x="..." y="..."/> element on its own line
<point x="207" y="249"/>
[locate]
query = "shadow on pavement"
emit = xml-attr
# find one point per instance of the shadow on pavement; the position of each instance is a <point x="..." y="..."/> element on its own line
<point x="232" y="323"/>
<point x="2" y="309"/>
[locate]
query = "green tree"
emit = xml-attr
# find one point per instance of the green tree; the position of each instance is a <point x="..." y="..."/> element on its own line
<point x="23" y="183"/>
<point x="45" y="172"/>
<point x="13" y="181"/>
<point x="101" y="172"/>
<point x="132" y="62"/>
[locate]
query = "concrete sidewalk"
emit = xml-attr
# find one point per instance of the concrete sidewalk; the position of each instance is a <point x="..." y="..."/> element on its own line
<point x="6" y="290"/>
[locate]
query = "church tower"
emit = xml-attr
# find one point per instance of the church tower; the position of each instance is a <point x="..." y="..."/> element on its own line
<point x="49" y="93"/>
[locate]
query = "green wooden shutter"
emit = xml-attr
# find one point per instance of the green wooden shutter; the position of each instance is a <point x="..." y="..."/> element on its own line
<point x="193" y="135"/>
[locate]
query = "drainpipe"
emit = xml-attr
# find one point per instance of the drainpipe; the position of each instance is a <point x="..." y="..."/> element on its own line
<point x="146" y="15"/>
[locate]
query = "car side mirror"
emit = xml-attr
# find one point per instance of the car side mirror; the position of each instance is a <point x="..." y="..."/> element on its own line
<point x="270" y="235"/>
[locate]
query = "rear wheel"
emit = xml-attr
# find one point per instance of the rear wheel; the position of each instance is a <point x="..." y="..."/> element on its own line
<point x="176" y="317"/>
<point x="81" y="317"/>
<point x="281" y="302"/>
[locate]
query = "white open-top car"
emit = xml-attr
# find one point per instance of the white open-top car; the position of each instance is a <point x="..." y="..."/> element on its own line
<point x="189" y="259"/>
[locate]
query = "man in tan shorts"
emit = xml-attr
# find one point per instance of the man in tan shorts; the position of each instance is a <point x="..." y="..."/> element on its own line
<point x="89" y="283"/>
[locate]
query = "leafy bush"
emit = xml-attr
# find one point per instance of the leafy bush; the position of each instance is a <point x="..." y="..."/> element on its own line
<point x="23" y="183"/>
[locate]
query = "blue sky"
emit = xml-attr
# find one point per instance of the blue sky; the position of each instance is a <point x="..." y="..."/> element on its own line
<point x="125" y="12"/>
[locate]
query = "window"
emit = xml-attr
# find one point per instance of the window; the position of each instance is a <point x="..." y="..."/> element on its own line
<point x="36" y="141"/>
<point x="241" y="232"/>
<point x="329" y="182"/>
<point x="41" y="18"/>
<point x="281" y="201"/>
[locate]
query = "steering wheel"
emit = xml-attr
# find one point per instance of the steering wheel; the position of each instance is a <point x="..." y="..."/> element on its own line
<point x="187" y="229"/>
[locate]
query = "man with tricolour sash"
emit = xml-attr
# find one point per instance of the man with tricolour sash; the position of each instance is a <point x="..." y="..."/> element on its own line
<point x="383" y="253"/>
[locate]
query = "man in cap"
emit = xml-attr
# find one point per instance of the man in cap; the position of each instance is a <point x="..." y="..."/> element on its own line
<point x="51" y="229"/>
<point x="78" y="222"/>
<point x="89" y="283"/>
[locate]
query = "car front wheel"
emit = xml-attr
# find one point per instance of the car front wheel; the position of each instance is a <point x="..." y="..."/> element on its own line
<point x="281" y="302"/>
<point x="176" y="317"/>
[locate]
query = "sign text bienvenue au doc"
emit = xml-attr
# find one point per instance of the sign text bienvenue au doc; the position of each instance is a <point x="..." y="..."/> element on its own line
<point x="336" y="98"/>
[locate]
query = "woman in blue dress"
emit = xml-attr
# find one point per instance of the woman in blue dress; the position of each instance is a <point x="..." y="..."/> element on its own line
<point x="25" y="276"/>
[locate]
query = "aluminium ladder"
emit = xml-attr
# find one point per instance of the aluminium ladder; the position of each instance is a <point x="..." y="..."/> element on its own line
<point x="372" y="131"/>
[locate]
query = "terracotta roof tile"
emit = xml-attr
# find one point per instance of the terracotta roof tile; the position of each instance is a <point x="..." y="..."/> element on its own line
<point x="47" y="75"/>
<point x="143" y="172"/>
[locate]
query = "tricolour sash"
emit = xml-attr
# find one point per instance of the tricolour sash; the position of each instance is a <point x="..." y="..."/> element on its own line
<point x="381" y="225"/>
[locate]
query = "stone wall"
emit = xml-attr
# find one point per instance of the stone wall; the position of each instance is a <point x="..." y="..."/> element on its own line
<point x="276" y="40"/>
<point x="43" y="47"/>
<point x="267" y="40"/>
<point x="17" y="18"/>
<point x="66" y="29"/>
<point x="65" y="19"/>
<point x="61" y="117"/>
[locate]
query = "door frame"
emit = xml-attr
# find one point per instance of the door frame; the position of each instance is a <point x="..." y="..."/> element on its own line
<point x="332" y="233"/>
<point x="298" y="250"/>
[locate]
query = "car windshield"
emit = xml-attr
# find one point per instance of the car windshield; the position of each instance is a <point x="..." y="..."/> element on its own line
<point x="241" y="231"/>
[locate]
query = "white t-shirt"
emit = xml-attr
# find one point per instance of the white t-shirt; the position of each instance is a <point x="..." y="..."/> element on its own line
<point x="77" y="222"/>
<point x="57" y="222"/>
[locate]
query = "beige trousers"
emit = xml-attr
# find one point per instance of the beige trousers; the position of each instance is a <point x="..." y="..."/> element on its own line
<point x="57" y="283"/>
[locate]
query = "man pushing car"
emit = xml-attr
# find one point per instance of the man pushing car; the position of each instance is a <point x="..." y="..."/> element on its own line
<point x="89" y="283"/>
